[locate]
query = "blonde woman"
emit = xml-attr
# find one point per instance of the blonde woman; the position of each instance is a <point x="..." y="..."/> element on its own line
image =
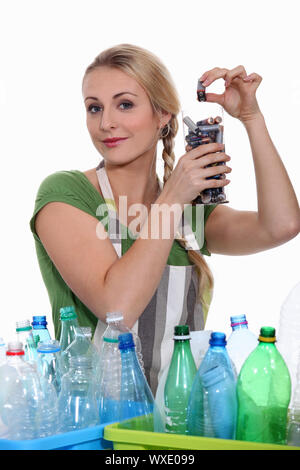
<point x="95" y="252"/>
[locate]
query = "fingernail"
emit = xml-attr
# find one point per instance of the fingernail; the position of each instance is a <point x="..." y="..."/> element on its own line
<point x="205" y="83"/>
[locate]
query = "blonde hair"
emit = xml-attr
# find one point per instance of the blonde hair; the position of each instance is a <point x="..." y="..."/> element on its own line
<point x="153" y="76"/>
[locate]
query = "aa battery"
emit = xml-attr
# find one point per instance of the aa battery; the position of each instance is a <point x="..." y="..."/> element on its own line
<point x="191" y="125"/>
<point x="201" y="91"/>
<point x="209" y="128"/>
<point x="204" y="122"/>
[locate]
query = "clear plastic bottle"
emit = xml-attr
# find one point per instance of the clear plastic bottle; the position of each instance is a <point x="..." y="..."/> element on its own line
<point x="39" y="325"/>
<point x="77" y="402"/>
<point x="21" y="395"/>
<point x="263" y="391"/>
<point x="179" y="382"/>
<point x="212" y="407"/>
<point x="109" y="381"/>
<point x="49" y="363"/>
<point x="25" y="336"/>
<point x="116" y="326"/>
<point x="69" y="322"/>
<point x="136" y="395"/>
<point x="288" y="343"/>
<point x="2" y="350"/>
<point x="293" y="431"/>
<point x="80" y="346"/>
<point x="241" y="342"/>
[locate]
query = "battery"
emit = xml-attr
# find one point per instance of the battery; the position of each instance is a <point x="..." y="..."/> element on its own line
<point x="201" y="91"/>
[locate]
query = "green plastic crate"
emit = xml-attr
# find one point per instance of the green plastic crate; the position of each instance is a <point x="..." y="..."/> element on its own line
<point x="129" y="439"/>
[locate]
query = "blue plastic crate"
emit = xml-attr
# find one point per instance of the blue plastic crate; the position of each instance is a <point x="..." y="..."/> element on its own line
<point x="83" y="439"/>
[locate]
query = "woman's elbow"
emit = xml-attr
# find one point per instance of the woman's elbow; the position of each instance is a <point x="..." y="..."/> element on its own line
<point x="288" y="232"/>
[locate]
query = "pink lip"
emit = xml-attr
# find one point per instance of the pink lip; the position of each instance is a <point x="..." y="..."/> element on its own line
<point x="114" y="142"/>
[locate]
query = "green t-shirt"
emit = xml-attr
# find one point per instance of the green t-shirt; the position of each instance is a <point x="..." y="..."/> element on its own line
<point x="74" y="188"/>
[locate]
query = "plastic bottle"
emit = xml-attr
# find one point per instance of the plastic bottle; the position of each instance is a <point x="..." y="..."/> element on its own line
<point x="2" y="350"/>
<point x="116" y="326"/>
<point x="77" y="402"/>
<point x="179" y="382"/>
<point x="199" y="345"/>
<point x="293" y="431"/>
<point x="25" y="336"/>
<point x="80" y="346"/>
<point x="69" y="322"/>
<point x="263" y="390"/>
<point x="288" y="343"/>
<point x="39" y="325"/>
<point x="212" y="407"/>
<point x="241" y="342"/>
<point x="49" y="363"/>
<point x="136" y="396"/>
<point x="25" y="408"/>
<point x="109" y="381"/>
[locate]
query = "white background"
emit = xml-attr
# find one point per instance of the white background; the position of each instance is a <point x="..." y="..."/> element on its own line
<point x="45" y="49"/>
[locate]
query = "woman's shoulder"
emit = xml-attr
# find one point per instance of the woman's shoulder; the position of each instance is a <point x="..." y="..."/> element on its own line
<point x="60" y="181"/>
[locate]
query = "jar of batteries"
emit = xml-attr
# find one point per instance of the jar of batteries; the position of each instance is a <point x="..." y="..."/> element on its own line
<point x="203" y="123"/>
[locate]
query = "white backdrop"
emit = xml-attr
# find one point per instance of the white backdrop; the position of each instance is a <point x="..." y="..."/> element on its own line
<point x="45" y="48"/>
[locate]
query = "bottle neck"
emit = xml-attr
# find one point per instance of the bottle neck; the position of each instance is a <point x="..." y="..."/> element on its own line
<point x="182" y="344"/>
<point x="69" y="324"/>
<point x="239" y="326"/>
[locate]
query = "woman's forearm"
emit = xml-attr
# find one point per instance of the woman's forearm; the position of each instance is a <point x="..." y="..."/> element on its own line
<point x="278" y="208"/>
<point x="132" y="280"/>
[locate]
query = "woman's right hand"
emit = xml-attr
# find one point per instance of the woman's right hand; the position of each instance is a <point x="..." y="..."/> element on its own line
<point x="189" y="177"/>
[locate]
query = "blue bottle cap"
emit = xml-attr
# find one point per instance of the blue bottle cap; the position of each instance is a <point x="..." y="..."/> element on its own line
<point x="218" y="339"/>
<point x="126" y="341"/>
<point x="39" y="320"/>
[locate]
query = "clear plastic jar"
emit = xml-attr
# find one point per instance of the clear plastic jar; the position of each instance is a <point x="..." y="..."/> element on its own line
<point x="203" y="123"/>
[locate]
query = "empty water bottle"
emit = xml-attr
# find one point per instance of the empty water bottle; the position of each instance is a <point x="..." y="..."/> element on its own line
<point x="241" y="342"/>
<point x="136" y="395"/>
<point x="21" y="395"/>
<point x="263" y="390"/>
<point x="179" y="382"/>
<point x="77" y="404"/>
<point x="49" y="363"/>
<point x="69" y="322"/>
<point x="80" y="346"/>
<point x="212" y="407"/>
<point x="116" y="326"/>
<point x="25" y="336"/>
<point x="288" y="343"/>
<point x="39" y="325"/>
<point x="293" y="435"/>
<point x="2" y="350"/>
<point x="109" y="381"/>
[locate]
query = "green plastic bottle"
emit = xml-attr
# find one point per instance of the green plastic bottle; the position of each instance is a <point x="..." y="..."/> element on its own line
<point x="179" y="382"/>
<point x="264" y="392"/>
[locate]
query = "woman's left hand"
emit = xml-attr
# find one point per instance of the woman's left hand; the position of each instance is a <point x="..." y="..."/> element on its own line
<point x="239" y="98"/>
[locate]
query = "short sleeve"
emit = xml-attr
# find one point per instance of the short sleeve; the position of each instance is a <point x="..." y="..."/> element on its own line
<point x="62" y="186"/>
<point x="207" y="211"/>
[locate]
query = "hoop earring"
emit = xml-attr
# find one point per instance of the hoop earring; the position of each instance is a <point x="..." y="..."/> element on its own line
<point x="166" y="128"/>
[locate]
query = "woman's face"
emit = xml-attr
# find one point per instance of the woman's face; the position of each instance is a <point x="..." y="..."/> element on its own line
<point x="117" y="106"/>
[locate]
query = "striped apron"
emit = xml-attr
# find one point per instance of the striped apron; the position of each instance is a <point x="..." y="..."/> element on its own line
<point x="174" y="302"/>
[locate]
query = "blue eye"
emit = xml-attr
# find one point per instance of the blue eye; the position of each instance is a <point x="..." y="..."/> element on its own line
<point x="126" y="104"/>
<point x="91" y="107"/>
